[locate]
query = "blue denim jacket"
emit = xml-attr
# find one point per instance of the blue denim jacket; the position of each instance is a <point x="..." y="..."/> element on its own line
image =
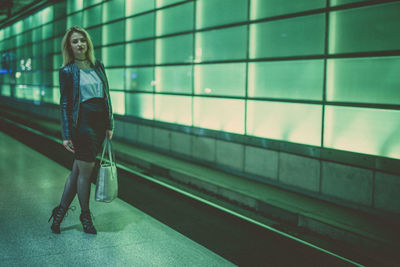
<point x="69" y="77"/>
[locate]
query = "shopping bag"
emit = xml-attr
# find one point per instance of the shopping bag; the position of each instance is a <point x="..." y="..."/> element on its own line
<point x="107" y="182"/>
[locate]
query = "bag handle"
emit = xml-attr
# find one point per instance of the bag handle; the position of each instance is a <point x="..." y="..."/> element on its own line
<point x="111" y="156"/>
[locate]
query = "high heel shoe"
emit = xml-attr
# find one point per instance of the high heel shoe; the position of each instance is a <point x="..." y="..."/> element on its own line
<point x="58" y="216"/>
<point x="87" y="223"/>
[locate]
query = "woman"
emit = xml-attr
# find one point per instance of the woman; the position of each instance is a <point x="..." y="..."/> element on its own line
<point x="86" y="118"/>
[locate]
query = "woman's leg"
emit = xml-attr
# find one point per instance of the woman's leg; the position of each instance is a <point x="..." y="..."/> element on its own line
<point x="85" y="171"/>
<point x="83" y="185"/>
<point x="70" y="187"/>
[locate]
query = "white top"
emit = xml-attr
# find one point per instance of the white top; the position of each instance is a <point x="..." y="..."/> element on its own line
<point x="90" y="84"/>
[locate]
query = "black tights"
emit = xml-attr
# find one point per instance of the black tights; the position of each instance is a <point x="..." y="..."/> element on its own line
<point x="78" y="181"/>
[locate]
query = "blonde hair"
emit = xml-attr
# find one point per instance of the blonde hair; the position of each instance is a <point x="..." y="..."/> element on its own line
<point x="68" y="55"/>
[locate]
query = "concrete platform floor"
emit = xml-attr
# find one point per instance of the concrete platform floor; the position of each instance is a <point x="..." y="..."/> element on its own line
<point x="31" y="186"/>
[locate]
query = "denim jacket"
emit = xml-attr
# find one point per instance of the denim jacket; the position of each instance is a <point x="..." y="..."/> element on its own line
<point x="69" y="77"/>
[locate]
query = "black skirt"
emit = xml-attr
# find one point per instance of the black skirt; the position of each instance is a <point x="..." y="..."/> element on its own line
<point x="89" y="134"/>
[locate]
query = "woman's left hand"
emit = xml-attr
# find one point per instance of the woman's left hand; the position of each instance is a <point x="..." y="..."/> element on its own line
<point x="109" y="134"/>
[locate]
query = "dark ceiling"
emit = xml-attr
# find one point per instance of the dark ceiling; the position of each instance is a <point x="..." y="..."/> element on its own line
<point x="9" y="8"/>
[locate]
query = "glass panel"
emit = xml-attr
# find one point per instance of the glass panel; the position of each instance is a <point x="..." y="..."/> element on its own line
<point x="118" y="102"/>
<point x="140" y="53"/>
<point x="295" y="79"/>
<point x="161" y="3"/>
<point x="140" y="79"/>
<point x="37" y="35"/>
<point x="211" y="13"/>
<point x="92" y="16"/>
<point x="93" y="2"/>
<point x="222" y="44"/>
<point x="175" y="79"/>
<point x="342" y="2"/>
<point x="5" y="90"/>
<point x="363" y="130"/>
<point x="56" y="96"/>
<point x="37" y="20"/>
<point x="47" y="14"/>
<point x="95" y="35"/>
<point x="174" y="49"/>
<point x="113" y="10"/>
<point x="139" y="105"/>
<point x="74" y="5"/>
<point x="27" y="24"/>
<point x="298" y="123"/>
<point x="220" y="79"/>
<point x="116" y="78"/>
<point x="173" y="109"/>
<point x="74" y="20"/>
<point x="18" y="27"/>
<point x="140" y="27"/>
<point x="261" y="9"/>
<point x="56" y="81"/>
<point x="59" y="10"/>
<point x="219" y="114"/>
<point x="175" y="19"/>
<point x="113" y="55"/>
<point x="60" y="27"/>
<point x="48" y="31"/>
<point x="138" y="6"/>
<point x="372" y="28"/>
<point x="113" y="32"/>
<point x="288" y="37"/>
<point x="367" y="80"/>
<point x="57" y="61"/>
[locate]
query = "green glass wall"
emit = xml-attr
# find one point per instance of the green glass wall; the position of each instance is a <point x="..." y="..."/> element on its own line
<point x="313" y="72"/>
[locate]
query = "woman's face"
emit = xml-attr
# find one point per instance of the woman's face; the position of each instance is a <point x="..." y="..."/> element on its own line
<point x="79" y="45"/>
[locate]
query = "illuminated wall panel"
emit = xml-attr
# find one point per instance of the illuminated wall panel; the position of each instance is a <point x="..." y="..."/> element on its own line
<point x="175" y="19"/>
<point x="173" y="109"/>
<point x="293" y="79"/>
<point x="364" y="130"/>
<point x="289" y="37"/>
<point x="92" y="16"/>
<point x="140" y="105"/>
<point x="74" y="5"/>
<point x="221" y="44"/>
<point x="114" y="9"/>
<point x="175" y="79"/>
<point x="133" y="7"/>
<point x="299" y="123"/>
<point x="113" y="55"/>
<point x="219" y="114"/>
<point x="365" y="80"/>
<point x="175" y="49"/>
<point x="220" y="79"/>
<point x="212" y="13"/>
<point x="343" y="2"/>
<point x="161" y="3"/>
<point x="140" y="53"/>
<point x="116" y="78"/>
<point x="262" y="9"/>
<point x="139" y="79"/>
<point x="75" y="19"/>
<point x="140" y="27"/>
<point x="372" y="28"/>
<point x="112" y="33"/>
<point x="117" y="100"/>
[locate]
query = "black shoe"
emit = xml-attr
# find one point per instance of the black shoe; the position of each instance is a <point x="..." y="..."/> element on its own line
<point x="58" y="216"/>
<point x="87" y="223"/>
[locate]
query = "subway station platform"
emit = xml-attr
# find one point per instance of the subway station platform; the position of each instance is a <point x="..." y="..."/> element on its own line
<point x="31" y="185"/>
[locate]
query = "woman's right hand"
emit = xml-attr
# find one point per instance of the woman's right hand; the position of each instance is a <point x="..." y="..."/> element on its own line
<point x="69" y="146"/>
